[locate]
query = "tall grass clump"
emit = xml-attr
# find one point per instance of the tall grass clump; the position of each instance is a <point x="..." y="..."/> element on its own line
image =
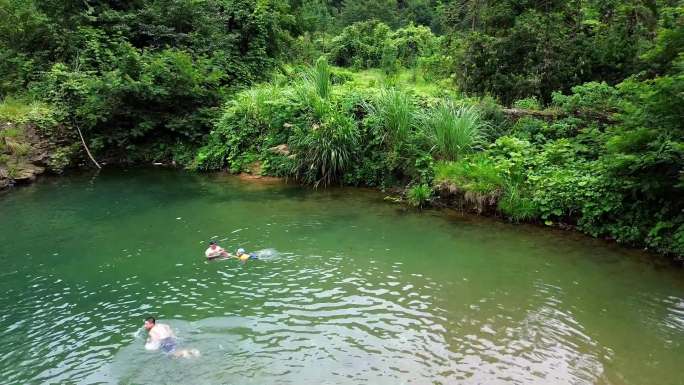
<point x="324" y="152"/>
<point x="397" y="111"/>
<point x="256" y="104"/>
<point x="419" y="195"/>
<point x="516" y="205"/>
<point x="310" y="99"/>
<point x="319" y="78"/>
<point x="455" y="130"/>
<point x="315" y="88"/>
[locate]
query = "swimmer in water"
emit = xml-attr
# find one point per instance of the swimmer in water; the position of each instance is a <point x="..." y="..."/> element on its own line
<point x="161" y="337"/>
<point x="244" y="256"/>
<point x="215" y="251"/>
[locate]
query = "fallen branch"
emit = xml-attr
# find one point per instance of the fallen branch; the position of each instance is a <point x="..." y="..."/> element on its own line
<point x="86" y="146"/>
<point x="517" y="113"/>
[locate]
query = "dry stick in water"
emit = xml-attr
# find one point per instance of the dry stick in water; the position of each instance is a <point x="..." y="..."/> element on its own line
<point x="86" y="147"/>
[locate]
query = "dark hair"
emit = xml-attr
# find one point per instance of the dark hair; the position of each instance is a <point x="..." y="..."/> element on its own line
<point x="151" y="319"/>
<point x="212" y="242"/>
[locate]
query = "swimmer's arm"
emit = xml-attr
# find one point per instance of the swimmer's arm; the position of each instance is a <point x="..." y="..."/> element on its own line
<point x="151" y="344"/>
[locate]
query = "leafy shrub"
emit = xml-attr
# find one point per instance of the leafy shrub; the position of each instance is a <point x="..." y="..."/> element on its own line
<point x="389" y="62"/>
<point x="425" y="168"/>
<point x="531" y="103"/>
<point x="277" y="165"/>
<point x="434" y="67"/>
<point x="454" y="130"/>
<point x="360" y="44"/>
<point x="529" y="128"/>
<point x="419" y="195"/>
<point x="372" y="43"/>
<point x="592" y="96"/>
<point x="513" y="157"/>
<point x="413" y="42"/>
<point x="61" y="157"/>
<point x="255" y="119"/>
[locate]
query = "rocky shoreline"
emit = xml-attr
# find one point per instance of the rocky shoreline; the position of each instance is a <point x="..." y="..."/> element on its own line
<point x="24" y="155"/>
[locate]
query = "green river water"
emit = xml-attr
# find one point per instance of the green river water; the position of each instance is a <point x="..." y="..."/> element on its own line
<point x="348" y="290"/>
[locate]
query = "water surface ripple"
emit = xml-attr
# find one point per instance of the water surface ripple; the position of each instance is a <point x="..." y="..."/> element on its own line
<point x="349" y="290"/>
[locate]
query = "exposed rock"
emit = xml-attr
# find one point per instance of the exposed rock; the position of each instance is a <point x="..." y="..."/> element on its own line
<point x="26" y="155"/>
<point x="281" y="149"/>
<point x="27" y="173"/>
<point x="4" y="180"/>
<point x="254" y="168"/>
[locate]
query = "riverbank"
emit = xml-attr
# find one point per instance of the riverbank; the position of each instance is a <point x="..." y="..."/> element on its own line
<point x="446" y="198"/>
<point x="565" y="165"/>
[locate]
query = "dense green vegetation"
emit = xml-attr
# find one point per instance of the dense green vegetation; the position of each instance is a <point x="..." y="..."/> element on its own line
<point x="557" y="112"/>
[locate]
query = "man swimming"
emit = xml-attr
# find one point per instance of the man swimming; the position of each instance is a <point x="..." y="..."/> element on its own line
<point x="215" y="251"/>
<point x="161" y="337"/>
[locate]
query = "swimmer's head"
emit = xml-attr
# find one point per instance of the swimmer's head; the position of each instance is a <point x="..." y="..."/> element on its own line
<point x="240" y="251"/>
<point x="212" y="243"/>
<point x="149" y="323"/>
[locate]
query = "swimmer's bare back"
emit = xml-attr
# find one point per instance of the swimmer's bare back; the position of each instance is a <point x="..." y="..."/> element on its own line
<point x="161" y="337"/>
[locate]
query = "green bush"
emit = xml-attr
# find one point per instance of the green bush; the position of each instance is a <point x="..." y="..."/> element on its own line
<point x="531" y="103"/>
<point x="61" y="158"/>
<point x="592" y="96"/>
<point x="359" y="44"/>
